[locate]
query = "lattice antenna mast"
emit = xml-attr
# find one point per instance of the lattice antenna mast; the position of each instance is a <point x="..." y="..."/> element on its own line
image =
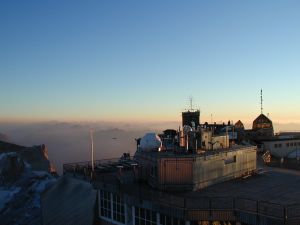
<point x="191" y="107"/>
<point x="261" y="101"/>
<point x="191" y="103"/>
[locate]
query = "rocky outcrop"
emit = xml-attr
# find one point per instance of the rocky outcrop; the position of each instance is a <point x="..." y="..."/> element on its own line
<point x="20" y="202"/>
<point x="35" y="156"/>
<point x="11" y="167"/>
<point x="25" y="172"/>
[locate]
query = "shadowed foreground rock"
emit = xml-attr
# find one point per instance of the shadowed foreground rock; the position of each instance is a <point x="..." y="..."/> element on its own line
<point x="69" y="201"/>
<point x="25" y="173"/>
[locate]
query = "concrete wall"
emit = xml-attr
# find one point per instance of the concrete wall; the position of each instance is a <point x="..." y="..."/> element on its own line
<point x="175" y="173"/>
<point x="147" y="162"/>
<point x="206" y="136"/>
<point x="220" y="141"/>
<point x="223" y="166"/>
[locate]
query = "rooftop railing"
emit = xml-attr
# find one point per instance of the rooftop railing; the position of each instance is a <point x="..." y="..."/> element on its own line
<point x="100" y="166"/>
<point x="237" y="204"/>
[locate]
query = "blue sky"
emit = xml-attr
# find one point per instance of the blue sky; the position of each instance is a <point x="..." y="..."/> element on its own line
<point x="141" y="60"/>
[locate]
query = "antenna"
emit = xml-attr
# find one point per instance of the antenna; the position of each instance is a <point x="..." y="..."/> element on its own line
<point x="261" y="101"/>
<point x="191" y="107"/>
<point x="92" y="147"/>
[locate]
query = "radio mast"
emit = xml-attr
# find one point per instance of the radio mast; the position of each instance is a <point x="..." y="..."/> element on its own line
<point x="92" y="147"/>
<point x="261" y="101"/>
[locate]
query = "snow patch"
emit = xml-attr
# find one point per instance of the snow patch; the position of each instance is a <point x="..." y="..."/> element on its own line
<point x="4" y="155"/>
<point x="43" y="182"/>
<point x="6" y="195"/>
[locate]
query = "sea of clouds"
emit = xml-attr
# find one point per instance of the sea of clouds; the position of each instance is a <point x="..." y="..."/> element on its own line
<point x="70" y="141"/>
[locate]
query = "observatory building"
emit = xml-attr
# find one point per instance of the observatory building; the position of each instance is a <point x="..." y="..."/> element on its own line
<point x="190" y="176"/>
<point x="263" y="126"/>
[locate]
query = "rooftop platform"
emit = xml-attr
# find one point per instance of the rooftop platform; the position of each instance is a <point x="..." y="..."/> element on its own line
<point x="276" y="185"/>
<point x="272" y="193"/>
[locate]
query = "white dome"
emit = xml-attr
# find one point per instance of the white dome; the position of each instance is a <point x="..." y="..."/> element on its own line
<point x="150" y="142"/>
<point x="187" y="129"/>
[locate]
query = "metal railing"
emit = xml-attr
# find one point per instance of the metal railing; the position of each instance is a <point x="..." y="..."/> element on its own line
<point x="208" y="203"/>
<point x="140" y="192"/>
<point x="103" y="165"/>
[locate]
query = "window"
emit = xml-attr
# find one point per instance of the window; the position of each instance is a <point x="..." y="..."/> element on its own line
<point x="112" y="207"/>
<point x="291" y="144"/>
<point x="277" y="145"/>
<point x="167" y="220"/>
<point x="287" y="144"/>
<point x="144" y="216"/>
<point x="105" y="204"/>
<point x="118" y="209"/>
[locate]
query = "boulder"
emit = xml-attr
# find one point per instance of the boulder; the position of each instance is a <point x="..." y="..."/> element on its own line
<point x="11" y="167"/>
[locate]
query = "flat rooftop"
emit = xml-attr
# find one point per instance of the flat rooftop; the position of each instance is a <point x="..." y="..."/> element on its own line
<point x="274" y="185"/>
<point x="271" y="184"/>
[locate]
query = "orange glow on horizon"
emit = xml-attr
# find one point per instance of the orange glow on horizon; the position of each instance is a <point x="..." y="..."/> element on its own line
<point x="143" y="119"/>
